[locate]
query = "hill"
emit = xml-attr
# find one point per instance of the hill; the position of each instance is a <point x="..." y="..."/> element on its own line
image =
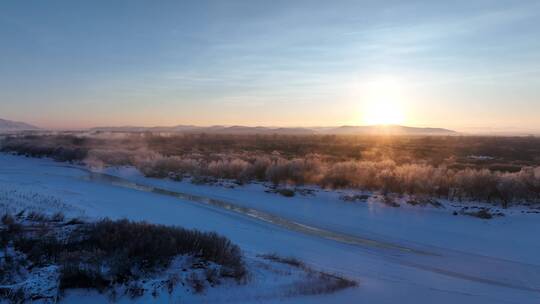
<point x="10" y="126"/>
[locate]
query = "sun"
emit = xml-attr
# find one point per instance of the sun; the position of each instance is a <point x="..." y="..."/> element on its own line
<point x="382" y="102"/>
<point x="383" y="113"/>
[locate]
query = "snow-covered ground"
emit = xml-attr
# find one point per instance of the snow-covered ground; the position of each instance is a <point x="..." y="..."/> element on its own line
<point x="422" y="224"/>
<point x="407" y="254"/>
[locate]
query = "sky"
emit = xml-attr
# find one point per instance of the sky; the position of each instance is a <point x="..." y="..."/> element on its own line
<point x="465" y="65"/>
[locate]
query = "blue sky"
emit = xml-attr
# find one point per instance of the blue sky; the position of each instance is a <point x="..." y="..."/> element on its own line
<point x="462" y="65"/>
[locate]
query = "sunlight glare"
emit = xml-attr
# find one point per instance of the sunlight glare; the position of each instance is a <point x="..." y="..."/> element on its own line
<point x="383" y="113"/>
<point x="382" y="105"/>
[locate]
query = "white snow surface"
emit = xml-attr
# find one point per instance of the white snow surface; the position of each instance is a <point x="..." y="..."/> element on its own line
<point x="406" y="255"/>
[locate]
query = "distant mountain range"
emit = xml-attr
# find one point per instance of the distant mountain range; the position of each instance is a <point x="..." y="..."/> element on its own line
<point x="10" y="126"/>
<point x="343" y="130"/>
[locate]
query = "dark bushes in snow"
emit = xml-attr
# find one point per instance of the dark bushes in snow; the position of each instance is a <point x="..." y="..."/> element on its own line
<point x="155" y="245"/>
<point x="100" y="254"/>
<point x="57" y="148"/>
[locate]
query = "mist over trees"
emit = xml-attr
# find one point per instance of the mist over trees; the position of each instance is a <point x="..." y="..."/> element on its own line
<point x="455" y="168"/>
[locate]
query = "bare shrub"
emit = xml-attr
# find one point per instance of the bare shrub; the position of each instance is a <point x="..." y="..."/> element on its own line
<point x="135" y="290"/>
<point x="286" y="192"/>
<point x="257" y="169"/>
<point x="389" y="201"/>
<point x="329" y="283"/>
<point x="342" y="175"/>
<point x="57" y="217"/>
<point x="278" y="171"/>
<point x="318" y="282"/>
<point x="482" y="213"/>
<point x="212" y="276"/>
<point x="36" y="216"/>
<point x="354" y="198"/>
<point x="229" y="168"/>
<point x="10" y="227"/>
<point x="291" y="261"/>
<point x="423" y="200"/>
<point x="7" y="219"/>
<point x="75" y="276"/>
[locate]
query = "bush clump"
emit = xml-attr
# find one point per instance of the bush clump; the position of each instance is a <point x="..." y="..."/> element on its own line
<point x="104" y="253"/>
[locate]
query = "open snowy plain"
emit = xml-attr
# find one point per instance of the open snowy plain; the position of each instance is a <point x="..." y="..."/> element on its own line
<point x="410" y="254"/>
